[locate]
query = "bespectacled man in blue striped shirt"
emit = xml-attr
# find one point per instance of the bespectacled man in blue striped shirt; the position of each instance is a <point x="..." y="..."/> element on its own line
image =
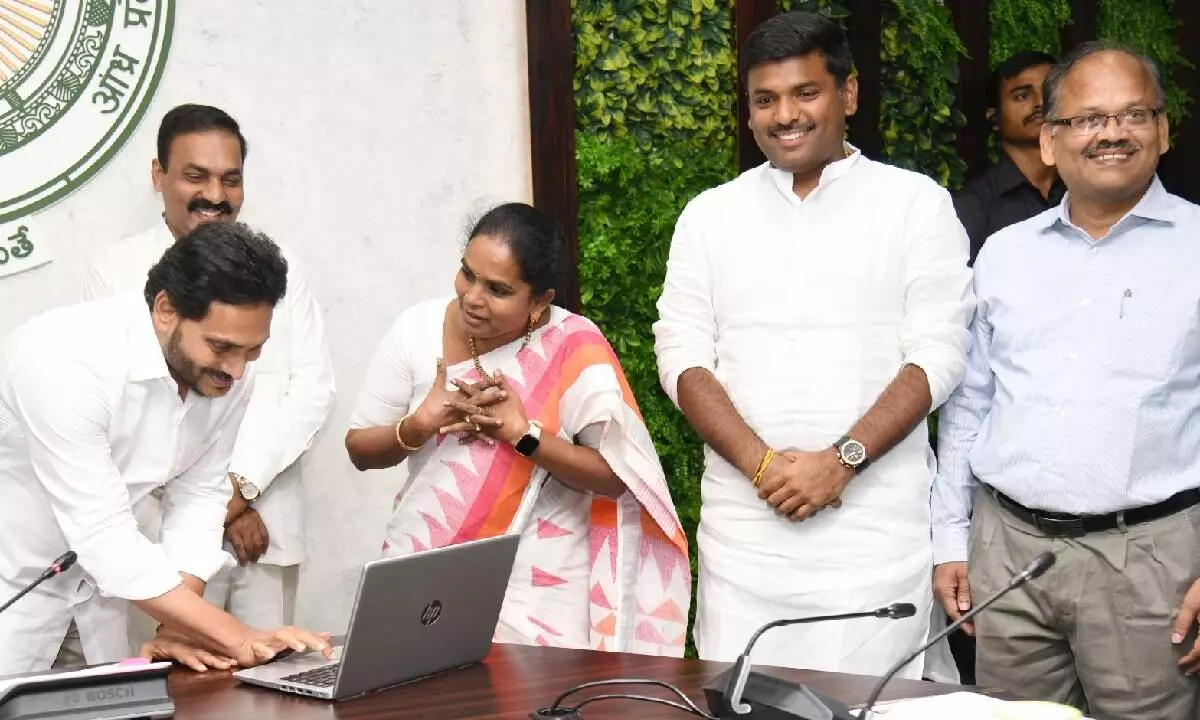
<point x="1077" y="427"/>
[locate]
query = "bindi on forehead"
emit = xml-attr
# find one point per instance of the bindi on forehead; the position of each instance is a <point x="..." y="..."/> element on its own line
<point x="491" y="259"/>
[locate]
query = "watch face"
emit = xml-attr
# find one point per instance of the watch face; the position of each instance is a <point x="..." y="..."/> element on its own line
<point x="249" y="490"/>
<point x="853" y="452"/>
<point x="527" y="445"/>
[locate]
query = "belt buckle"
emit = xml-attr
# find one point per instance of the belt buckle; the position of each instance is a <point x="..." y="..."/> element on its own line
<point x="1056" y="527"/>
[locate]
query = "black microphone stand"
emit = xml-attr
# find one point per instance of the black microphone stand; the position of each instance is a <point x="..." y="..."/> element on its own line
<point x="1036" y="567"/>
<point x="771" y="698"/>
<point x="63" y="563"/>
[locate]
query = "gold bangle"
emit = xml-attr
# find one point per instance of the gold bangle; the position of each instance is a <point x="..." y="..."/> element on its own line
<point x="762" y="467"/>
<point x="400" y="438"/>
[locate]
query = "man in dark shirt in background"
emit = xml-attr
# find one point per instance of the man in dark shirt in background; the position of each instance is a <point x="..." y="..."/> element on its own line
<point x="1019" y="186"/>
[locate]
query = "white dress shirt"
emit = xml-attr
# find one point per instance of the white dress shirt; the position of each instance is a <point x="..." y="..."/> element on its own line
<point x="805" y="311"/>
<point x="293" y="393"/>
<point x="1081" y="393"/>
<point x="90" y="423"/>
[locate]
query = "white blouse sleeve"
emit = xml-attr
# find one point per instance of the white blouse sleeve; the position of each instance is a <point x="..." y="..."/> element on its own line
<point x="388" y="386"/>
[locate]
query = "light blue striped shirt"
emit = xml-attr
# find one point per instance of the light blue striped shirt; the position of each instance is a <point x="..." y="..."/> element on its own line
<point x="1082" y="390"/>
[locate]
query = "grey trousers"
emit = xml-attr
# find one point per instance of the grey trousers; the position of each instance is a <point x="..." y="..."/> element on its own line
<point x="70" y="653"/>
<point x="1095" y="630"/>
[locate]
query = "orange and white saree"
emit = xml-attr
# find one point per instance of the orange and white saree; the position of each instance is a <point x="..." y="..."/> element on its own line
<point x="591" y="572"/>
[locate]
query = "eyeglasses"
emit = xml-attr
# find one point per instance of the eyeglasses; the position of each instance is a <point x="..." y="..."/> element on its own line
<point x="1095" y="122"/>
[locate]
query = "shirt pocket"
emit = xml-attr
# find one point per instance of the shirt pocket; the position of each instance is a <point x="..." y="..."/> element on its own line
<point x="1152" y="326"/>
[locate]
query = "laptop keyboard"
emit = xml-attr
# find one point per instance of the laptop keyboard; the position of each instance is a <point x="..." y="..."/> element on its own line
<point x="323" y="676"/>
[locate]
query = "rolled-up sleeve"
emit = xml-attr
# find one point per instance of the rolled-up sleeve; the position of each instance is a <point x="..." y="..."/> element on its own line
<point x="959" y="424"/>
<point x="938" y="300"/>
<point x="685" y="335"/>
<point x="72" y="461"/>
<point x="197" y="499"/>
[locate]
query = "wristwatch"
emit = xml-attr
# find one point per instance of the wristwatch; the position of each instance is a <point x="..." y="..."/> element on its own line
<point x="852" y="454"/>
<point x="528" y="444"/>
<point x="248" y="490"/>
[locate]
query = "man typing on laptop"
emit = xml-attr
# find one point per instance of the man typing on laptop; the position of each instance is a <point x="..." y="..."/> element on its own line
<point x="99" y="404"/>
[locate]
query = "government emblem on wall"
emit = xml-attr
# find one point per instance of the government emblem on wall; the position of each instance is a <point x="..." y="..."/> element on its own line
<point x="75" y="78"/>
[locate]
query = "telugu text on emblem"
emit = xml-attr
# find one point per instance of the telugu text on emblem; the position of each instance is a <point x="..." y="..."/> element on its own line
<point x="75" y="78"/>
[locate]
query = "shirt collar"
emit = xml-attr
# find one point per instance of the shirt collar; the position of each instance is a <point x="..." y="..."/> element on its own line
<point x="1154" y="206"/>
<point x="145" y="352"/>
<point x="831" y="172"/>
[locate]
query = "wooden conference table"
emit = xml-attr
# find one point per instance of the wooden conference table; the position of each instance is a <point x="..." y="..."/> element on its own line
<point x="512" y="682"/>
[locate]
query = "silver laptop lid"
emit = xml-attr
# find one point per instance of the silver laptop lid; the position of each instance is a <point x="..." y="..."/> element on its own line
<point x="419" y="614"/>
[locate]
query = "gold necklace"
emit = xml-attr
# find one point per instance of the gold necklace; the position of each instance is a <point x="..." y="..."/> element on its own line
<point x="475" y="355"/>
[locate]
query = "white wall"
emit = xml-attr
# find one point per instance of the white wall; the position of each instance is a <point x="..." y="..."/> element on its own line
<point x="376" y="128"/>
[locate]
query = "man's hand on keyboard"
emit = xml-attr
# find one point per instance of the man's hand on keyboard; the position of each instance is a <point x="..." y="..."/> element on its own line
<point x="262" y="646"/>
<point x="170" y="646"/>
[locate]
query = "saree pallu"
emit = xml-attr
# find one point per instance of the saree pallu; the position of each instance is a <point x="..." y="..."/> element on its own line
<point x="591" y="572"/>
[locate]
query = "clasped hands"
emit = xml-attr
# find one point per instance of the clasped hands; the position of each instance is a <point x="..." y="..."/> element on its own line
<point x="487" y="410"/>
<point x="244" y="528"/>
<point x="799" y="484"/>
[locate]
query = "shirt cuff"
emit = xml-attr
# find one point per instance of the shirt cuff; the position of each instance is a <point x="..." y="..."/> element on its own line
<point x="154" y="578"/>
<point x="670" y="377"/>
<point x="188" y="556"/>
<point x="940" y="386"/>
<point x="951" y="544"/>
<point x="256" y="472"/>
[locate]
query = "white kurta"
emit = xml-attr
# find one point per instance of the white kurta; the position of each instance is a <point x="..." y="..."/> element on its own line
<point x="293" y="391"/>
<point x="805" y="311"/>
<point x="90" y="423"/>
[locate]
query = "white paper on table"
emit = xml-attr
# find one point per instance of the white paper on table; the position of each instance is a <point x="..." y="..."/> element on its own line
<point x="955" y="706"/>
<point x="7" y="684"/>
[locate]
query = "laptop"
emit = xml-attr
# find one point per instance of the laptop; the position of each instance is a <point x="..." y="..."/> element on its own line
<point x="414" y="616"/>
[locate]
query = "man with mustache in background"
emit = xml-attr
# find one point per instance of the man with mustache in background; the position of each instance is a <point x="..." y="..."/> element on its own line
<point x="814" y="312"/>
<point x="199" y="172"/>
<point x="1019" y="185"/>
<point x="1074" y="430"/>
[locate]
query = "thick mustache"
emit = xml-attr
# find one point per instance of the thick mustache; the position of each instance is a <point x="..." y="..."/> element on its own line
<point x="218" y="375"/>
<point x="801" y="126"/>
<point x="1104" y="146"/>
<point x="221" y="207"/>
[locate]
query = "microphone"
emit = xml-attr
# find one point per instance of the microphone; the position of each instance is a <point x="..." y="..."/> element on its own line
<point x="776" y="698"/>
<point x="61" y="565"/>
<point x="1035" y="568"/>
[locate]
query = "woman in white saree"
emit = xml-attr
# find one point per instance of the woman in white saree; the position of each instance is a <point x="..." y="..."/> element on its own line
<point x="515" y="417"/>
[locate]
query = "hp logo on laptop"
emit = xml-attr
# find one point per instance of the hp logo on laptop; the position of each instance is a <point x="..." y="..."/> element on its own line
<point x="431" y="613"/>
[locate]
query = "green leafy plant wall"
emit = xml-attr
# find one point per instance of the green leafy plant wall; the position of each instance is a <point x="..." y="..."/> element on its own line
<point x="655" y="126"/>
<point x="655" y="85"/>
<point x="1019" y="25"/>
<point x="1149" y="26"/>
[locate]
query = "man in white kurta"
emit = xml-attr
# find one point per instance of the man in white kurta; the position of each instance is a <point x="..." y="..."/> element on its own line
<point x="817" y="299"/>
<point x="293" y="394"/>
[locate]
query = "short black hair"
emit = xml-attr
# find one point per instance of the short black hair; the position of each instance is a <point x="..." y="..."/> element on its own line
<point x="535" y="239"/>
<point x="1058" y="73"/>
<point x="797" y="34"/>
<point x="188" y="119"/>
<point x="218" y="262"/>
<point x="1011" y="67"/>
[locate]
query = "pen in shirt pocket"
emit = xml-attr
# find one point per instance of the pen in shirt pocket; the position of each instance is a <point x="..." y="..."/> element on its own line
<point x="1127" y="295"/>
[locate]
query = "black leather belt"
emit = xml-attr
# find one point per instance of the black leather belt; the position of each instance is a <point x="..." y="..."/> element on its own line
<point x="1062" y="525"/>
